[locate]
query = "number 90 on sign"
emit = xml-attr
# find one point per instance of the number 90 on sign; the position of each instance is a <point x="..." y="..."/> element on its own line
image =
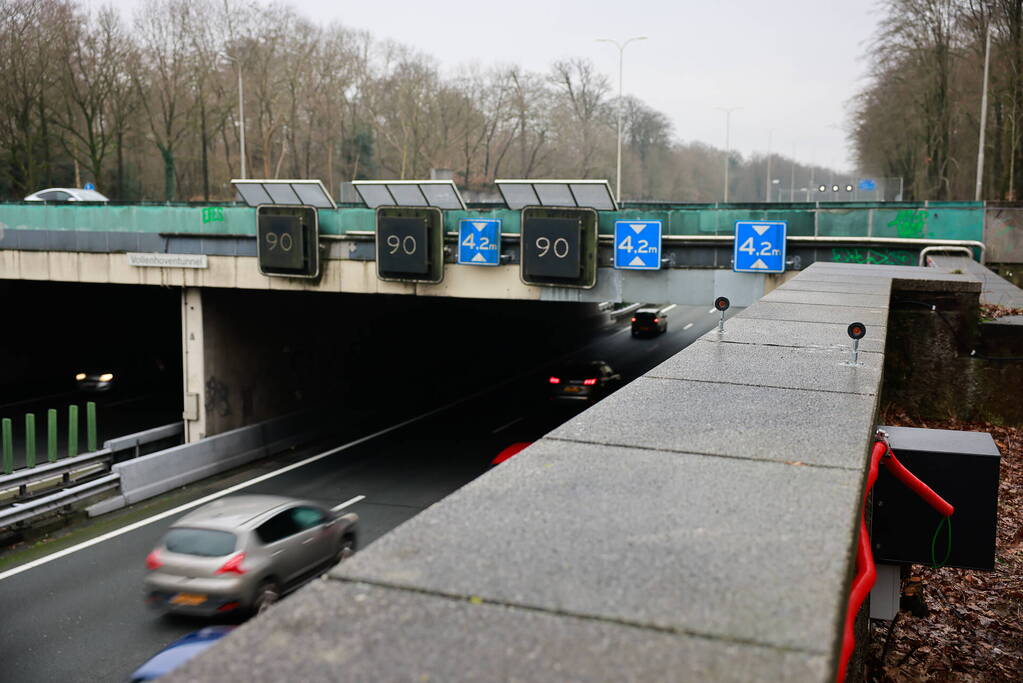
<point x="402" y="246"/>
<point x="550" y="248"/>
<point x="281" y="243"/>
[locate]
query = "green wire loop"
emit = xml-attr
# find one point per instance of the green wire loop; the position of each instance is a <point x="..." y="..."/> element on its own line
<point x="947" y="521"/>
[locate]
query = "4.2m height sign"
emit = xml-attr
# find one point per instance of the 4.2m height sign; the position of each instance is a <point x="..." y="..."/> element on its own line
<point x="638" y="245"/>
<point x="759" y="247"/>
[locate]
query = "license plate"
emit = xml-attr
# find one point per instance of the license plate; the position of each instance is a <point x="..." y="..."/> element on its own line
<point x="572" y="390"/>
<point x="188" y="599"/>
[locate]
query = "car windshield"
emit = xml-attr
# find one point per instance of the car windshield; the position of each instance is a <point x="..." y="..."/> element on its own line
<point x="645" y="315"/>
<point x="203" y="542"/>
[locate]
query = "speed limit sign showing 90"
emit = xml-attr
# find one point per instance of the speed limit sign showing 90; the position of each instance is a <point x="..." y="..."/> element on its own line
<point x="410" y="244"/>
<point x="401" y="246"/>
<point x="550" y="248"/>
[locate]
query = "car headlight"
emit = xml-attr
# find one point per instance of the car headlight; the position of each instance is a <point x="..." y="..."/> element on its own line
<point x="106" y="377"/>
<point x="80" y="376"/>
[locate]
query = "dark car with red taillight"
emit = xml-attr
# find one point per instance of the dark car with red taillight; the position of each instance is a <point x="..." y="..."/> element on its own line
<point x="583" y="381"/>
<point x="649" y="322"/>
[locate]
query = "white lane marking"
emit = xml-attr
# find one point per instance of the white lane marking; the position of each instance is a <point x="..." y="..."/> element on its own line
<point x="505" y="426"/>
<point x="213" y="496"/>
<point x="665" y="310"/>
<point x="350" y="501"/>
<point x="688" y="325"/>
<point x="713" y="310"/>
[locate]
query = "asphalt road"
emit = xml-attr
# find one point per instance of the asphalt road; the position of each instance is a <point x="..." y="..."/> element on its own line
<point x="82" y="618"/>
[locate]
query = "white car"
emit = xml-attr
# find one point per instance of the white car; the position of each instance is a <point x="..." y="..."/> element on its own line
<point x="66" y="194"/>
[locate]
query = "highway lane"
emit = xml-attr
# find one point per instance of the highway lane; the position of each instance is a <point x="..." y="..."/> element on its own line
<point x="82" y="617"/>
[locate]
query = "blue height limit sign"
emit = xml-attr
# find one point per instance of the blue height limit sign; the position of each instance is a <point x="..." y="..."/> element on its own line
<point x="638" y="245"/>
<point x="479" y="241"/>
<point x="759" y="247"/>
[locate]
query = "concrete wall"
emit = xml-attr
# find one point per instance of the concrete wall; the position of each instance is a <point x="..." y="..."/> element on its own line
<point x="263" y="354"/>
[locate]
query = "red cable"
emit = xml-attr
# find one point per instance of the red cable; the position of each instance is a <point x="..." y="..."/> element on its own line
<point x="918" y="487"/>
<point x="866" y="574"/>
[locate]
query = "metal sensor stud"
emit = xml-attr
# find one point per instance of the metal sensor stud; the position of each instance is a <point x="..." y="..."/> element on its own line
<point x="722" y="303"/>
<point x="856" y="332"/>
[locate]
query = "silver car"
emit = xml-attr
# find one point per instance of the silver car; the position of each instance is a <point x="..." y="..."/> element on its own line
<point x="242" y="553"/>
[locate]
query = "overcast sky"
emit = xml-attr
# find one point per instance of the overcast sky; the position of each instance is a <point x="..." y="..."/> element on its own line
<point x="791" y="65"/>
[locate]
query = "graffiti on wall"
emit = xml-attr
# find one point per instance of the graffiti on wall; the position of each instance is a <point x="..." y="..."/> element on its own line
<point x="886" y="257"/>
<point x="910" y="223"/>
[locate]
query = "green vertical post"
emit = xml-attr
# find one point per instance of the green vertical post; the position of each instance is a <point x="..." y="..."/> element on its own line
<point x="8" y="438"/>
<point x="51" y="435"/>
<point x="72" y="431"/>
<point x="90" y="426"/>
<point x="30" y="440"/>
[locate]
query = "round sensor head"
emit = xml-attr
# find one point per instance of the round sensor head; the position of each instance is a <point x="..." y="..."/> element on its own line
<point x="857" y="330"/>
<point x="722" y="303"/>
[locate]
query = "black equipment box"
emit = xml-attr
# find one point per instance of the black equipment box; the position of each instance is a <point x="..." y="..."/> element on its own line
<point x="962" y="468"/>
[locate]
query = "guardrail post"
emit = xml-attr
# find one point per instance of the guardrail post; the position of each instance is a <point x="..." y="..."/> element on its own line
<point x="51" y="435"/>
<point x="72" y="431"/>
<point x="90" y="426"/>
<point x="8" y="438"/>
<point x="30" y="440"/>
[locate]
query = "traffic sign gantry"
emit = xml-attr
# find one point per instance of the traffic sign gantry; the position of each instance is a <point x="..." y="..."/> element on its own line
<point x="287" y="240"/>
<point x="479" y="241"/>
<point x="559" y="247"/>
<point x="638" y="245"/>
<point x="759" y="247"/>
<point x="410" y="244"/>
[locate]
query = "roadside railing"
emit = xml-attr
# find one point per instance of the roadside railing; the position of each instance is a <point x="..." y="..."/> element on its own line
<point x="35" y="491"/>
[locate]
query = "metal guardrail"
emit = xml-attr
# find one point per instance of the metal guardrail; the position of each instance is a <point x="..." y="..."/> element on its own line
<point x="26" y="476"/>
<point x="931" y="250"/>
<point x="26" y="506"/>
<point x="21" y="512"/>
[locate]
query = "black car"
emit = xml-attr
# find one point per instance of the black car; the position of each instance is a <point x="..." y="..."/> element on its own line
<point x="583" y="381"/>
<point x="649" y="321"/>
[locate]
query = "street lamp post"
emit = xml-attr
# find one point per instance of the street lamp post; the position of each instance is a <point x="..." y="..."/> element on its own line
<point x="728" y="150"/>
<point x="241" y="108"/>
<point x="621" y="104"/>
<point x="983" y="115"/>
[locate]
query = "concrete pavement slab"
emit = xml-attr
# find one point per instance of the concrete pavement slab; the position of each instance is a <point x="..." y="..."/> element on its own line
<point x="361" y="632"/>
<point x="774" y="310"/>
<point x="731" y="420"/>
<point x="821" y="298"/>
<point x="820" y="368"/>
<point x="738" y="550"/>
<point x="814" y="335"/>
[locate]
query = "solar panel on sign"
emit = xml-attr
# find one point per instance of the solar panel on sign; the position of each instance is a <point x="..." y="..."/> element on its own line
<point x="518" y="196"/>
<point x="594" y="196"/>
<point x="253" y="193"/>
<point x="590" y="194"/>
<point x="407" y="195"/>
<point x="284" y="192"/>
<point x="441" y="196"/>
<point x="554" y="195"/>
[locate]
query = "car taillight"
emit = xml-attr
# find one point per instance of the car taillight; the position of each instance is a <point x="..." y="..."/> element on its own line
<point x="589" y="382"/>
<point x="153" y="560"/>
<point x="633" y="320"/>
<point x="233" y="566"/>
<point x="657" y="320"/>
<point x="555" y="380"/>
